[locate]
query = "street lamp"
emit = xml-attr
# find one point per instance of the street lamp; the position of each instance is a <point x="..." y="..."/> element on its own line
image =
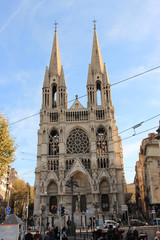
<point x="71" y="184"/>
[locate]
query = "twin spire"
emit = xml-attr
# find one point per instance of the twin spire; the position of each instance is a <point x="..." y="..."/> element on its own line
<point x="56" y="69"/>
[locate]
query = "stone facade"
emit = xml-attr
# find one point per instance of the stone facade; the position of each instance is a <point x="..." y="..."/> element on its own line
<point x="78" y="142"/>
<point x="147" y="177"/>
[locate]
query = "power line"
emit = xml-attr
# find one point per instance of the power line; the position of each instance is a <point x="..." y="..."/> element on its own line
<point x="39" y="167"/>
<point x="137" y="75"/>
<point x="116" y="83"/>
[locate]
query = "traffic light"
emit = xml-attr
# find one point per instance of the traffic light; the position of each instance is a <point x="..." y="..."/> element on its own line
<point x="62" y="211"/>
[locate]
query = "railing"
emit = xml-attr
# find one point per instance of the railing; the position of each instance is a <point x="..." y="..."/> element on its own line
<point x="73" y="116"/>
<point x="77" y="116"/>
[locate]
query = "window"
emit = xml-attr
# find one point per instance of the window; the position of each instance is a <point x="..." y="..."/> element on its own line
<point x="158" y="163"/>
<point x="102" y="145"/>
<point x="53" y="143"/>
<point x="98" y="94"/>
<point x="77" y="142"/>
<point x="54" y="96"/>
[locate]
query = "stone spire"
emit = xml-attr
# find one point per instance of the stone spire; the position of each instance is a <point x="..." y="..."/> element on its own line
<point x="62" y="82"/>
<point x="46" y="79"/>
<point x="55" y="61"/>
<point x="96" y="60"/>
<point x="106" y="81"/>
<point x="89" y="80"/>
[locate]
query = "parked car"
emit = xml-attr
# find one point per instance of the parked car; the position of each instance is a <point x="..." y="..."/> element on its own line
<point x="156" y="221"/>
<point x="137" y="222"/>
<point x="111" y="223"/>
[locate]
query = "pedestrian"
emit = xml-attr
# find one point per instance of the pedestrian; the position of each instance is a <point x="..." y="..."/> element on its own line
<point x="37" y="236"/>
<point x="135" y="233"/>
<point x="28" y="235"/>
<point x="46" y="236"/>
<point x="57" y="233"/>
<point x="51" y="234"/>
<point x="157" y="237"/>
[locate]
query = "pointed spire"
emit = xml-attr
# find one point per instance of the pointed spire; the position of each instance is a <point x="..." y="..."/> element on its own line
<point x="106" y="78"/>
<point x="46" y="79"/>
<point x="62" y="82"/>
<point x="89" y="80"/>
<point x="96" y="60"/>
<point x="55" y="61"/>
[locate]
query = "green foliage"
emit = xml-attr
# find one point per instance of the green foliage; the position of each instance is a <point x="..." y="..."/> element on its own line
<point x="7" y="146"/>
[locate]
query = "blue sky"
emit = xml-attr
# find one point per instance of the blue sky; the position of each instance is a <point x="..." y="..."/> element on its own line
<point x="129" y="38"/>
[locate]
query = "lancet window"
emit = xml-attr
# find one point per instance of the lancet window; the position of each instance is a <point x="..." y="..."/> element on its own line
<point x="54" y="96"/>
<point x="77" y="142"/>
<point x="54" y="142"/>
<point x="86" y="163"/>
<point x="98" y="87"/>
<point x="103" y="162"/>
<point x="69" y="164"/>
<point x="102" y="143"/>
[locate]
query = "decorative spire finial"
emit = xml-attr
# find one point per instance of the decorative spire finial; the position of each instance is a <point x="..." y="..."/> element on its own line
<point x="94" y="21"/>
<point x="55" y="26"/>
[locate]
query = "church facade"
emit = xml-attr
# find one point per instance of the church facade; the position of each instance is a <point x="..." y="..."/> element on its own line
<point x="78" y="143"/>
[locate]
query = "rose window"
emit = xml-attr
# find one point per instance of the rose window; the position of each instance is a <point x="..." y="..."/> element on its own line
<point x="77" y="142"/>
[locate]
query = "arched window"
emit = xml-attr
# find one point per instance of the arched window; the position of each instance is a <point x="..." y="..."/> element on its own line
<point x="77" y="142"/>
<point x="54" y="96"/>
<point x="102" y="141"/>
<point x="98" y="94"/>
<point x="53" y="143"/>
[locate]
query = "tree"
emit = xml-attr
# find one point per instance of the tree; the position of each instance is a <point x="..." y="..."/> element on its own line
<point x="18" y="199"/>
<point x="7" y="145"/>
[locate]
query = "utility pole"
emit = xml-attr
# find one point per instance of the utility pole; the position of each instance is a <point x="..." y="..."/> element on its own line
<point x="71" y="184"/>
<point x="27" y="205"/>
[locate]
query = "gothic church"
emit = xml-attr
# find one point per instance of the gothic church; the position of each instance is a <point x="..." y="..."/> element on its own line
<point x="78" y="142"/>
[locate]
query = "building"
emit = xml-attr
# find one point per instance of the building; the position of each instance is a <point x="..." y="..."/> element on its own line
<point x="5" y="189"/>
<point x="147" y="177"/>
<point x="78" y="142"/>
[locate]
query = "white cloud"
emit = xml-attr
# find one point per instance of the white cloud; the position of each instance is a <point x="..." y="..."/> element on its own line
<point x="136" y="24"/>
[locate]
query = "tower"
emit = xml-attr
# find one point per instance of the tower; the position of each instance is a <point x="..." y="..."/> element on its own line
<point x="78" y="142"/>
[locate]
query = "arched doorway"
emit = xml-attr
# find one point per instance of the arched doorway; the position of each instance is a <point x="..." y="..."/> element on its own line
<point x="104" y="191"/>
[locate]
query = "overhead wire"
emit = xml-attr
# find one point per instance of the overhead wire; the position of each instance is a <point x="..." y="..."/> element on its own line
<point x="116" y="83"/>
<point x="42" y="164"/>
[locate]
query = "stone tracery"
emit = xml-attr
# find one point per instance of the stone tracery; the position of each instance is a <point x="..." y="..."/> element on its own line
<point x="77" y="142"/>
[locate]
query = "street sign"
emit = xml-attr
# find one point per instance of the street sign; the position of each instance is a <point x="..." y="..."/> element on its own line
<point x="124" y="208"/>
<point x="8" y="209"/>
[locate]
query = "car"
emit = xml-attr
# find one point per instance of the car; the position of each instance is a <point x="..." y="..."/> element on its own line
<point x="111" y="223"/>
<point x="137" y="222"/>
<point x="156" y="221"/>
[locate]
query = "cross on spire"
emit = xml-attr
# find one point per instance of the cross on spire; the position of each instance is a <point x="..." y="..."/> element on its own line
<point x="55" y="24"/>
<point x="94" y="21"/>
